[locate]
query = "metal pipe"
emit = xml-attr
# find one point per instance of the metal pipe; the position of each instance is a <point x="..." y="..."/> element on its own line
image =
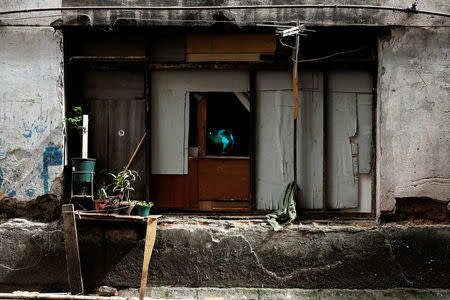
<point x="230" y="7"/>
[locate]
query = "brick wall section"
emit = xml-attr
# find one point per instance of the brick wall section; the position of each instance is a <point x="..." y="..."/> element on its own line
<point x="420" y="211"/>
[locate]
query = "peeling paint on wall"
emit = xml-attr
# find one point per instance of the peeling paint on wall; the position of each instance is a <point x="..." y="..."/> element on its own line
<point x="52" y="157"/>
<point x="31" y="106"/>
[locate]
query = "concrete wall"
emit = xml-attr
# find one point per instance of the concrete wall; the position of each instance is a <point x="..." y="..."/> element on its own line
<point x="312" y="16"/>
<point x="31" y="107"/>
<point x="216" y="253"/>
<point x="414" y="115"/>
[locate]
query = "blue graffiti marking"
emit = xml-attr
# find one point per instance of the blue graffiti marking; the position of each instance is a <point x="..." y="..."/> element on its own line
<point x="11" y="194"/>
<point x="28" y="135"/>
<point x="1" y="178"/>
<point x="52" y="157"/>
<point x="29" y="192"/>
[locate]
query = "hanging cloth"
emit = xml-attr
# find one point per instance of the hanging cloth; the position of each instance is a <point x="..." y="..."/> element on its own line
<point x="287" y="214"/>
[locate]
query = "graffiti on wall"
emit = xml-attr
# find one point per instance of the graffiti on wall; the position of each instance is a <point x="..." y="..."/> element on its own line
<point x="52" y="157"/>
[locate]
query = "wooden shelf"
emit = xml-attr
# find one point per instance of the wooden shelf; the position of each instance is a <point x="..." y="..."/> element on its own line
<point x="82" y="215"/>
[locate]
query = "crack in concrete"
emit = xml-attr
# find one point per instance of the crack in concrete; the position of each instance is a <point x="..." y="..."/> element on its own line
<point x="294" y="273"/>
<point x="399" y="266"/>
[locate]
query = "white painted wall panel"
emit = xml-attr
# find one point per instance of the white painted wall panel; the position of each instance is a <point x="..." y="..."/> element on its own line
<point x="364" y="131"/>
<point x="350" y="81"/>
<point x="310" y="140"/>
<point x="342" y="188"/>
<point x="274" y="146"/>
<point x="170" y="111"/>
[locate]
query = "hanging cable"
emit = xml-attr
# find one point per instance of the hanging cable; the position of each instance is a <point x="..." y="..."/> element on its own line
<point x="410" y="10"/>
<point x="329" y="56"/>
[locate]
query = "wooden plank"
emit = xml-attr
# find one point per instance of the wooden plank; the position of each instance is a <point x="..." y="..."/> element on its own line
<point x="224" y="179"/>
<point x="150" y="237"/>
<point x="127" y="117"/>
<point x="75" y="278"/>
<point x="201" y="125"/>
<point x="148" y="127"/>
<point x="177" y="191"/>
<point x="224" y="206"/>
<point x="231" y="43"/>
<point x="81" y="215"/>
<point x="225" y="57"/>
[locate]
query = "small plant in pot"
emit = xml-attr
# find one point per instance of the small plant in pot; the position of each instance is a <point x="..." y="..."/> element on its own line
<point x="83" y="167"/>
<point x="143" y="208"/>
<point x="102" y="201"/>
<point x="123" y="184"/>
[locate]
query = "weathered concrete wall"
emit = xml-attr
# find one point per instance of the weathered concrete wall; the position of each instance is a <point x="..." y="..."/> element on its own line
<point x="215" y="253"/>
<point x="38" y="18"/>
<point x="414" y="115"/>
<point x="312" y="16"/>
<point x="31" y="107"/>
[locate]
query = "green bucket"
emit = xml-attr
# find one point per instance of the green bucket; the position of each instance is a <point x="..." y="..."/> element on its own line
<point x="142" y="211"/>
<point x="83" y="165"/>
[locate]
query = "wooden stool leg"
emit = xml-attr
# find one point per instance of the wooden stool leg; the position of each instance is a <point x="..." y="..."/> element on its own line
<point x="150" y="237"/>
<point x="72" y="253"/>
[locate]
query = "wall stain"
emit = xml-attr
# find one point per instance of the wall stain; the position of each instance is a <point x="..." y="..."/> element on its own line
<point x="30" y="192"/>
<point x="28" y="134"/>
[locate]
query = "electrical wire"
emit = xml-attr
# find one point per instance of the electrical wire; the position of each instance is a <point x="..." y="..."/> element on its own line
<point x="409" y="10"/>
<point x="328" y="56"/>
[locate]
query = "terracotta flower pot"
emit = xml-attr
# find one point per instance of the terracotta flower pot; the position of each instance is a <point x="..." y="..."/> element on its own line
<point x="100" y="205"/>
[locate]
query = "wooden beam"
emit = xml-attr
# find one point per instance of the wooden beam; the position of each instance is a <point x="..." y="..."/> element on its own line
<point x="148" y="131"/>
<point x="231" y="43"/>
<point x="201" y="125"/>
<point x="150" y="238"/>
<point x="75" y="278"/>
<point x="226" y="57"/>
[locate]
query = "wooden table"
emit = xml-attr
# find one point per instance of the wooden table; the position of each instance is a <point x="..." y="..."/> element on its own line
<point x="71" y="242"/>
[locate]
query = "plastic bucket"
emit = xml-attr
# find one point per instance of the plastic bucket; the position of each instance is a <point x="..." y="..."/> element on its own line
<point x="142" y="211"/>
<point x="83" y="165"/>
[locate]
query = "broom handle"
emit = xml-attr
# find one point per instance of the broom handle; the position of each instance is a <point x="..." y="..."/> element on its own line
<point x="136" y="151"/>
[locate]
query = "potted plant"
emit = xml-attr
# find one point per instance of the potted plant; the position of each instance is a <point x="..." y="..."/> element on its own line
<point x="84" y="165"/>
<point x="112" y="205"/>
<point x="125" y="207"/>
<point x="143" y="208"/>
<point x="102" y="201"/>
<point x="122" y="185"/>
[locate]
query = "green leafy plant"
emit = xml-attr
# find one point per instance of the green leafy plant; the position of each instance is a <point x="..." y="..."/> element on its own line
<point x="122" y="183"/>
<point x="102" y="194"/>
<point x="143" y="203"/>
<point x="76" y="121"/>
<point x="127" y="203"/>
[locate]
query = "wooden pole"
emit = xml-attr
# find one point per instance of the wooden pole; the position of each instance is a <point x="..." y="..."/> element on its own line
<point x="149" y="243"/>
<point x="136" y="151"/>
<point x="72" y="253"/>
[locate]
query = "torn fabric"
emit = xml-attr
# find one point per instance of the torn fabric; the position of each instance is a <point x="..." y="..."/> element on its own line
<point x="287" y="214"/>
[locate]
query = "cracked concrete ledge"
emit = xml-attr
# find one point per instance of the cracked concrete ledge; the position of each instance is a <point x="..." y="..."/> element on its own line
<point x="274" y="294"/>
<point x="246" y="253"/>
